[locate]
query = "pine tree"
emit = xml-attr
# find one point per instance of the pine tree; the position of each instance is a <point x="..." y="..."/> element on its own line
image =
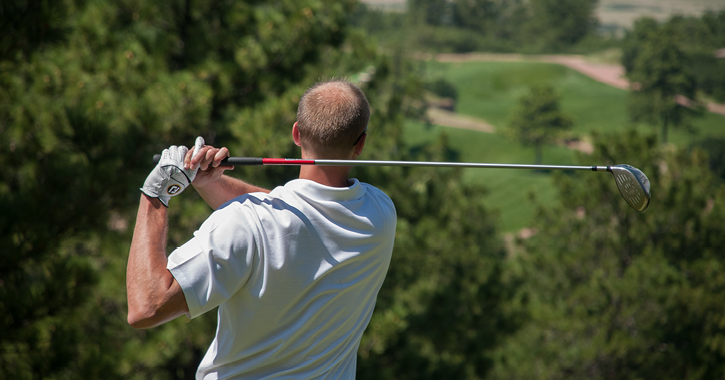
<point x="538" y="120"/>
<point x="80" y="118"/>
<point x="615" y="294"/>
<point x="664" y="90"/>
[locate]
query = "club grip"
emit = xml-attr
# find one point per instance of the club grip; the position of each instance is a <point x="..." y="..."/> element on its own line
<point x="229" y="161"/>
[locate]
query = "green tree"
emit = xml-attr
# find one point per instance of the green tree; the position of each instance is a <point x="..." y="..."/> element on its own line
<point x="560" y="23"/>
<point x="614" y="294"/>
<point x="491" y="25"/>
<point x="441" y="312"/>
<point x="475" y="14"/>
<point x="430" y="12"/>
<point x="715" y="149"/>
<point x="80" y="118"/>
<point x="664" y="89"/>
<point x="699" y="38"/>
<point x="631" y="43"/>
<point x="538" y="120"/>
<point x="28" y="25"/>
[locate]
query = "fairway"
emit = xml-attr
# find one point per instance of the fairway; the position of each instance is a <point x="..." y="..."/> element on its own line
<point x="509" y="190"/>
<point x="490" y="91"/>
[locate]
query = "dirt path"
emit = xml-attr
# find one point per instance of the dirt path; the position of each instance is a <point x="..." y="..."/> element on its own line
<point x="454" y="120"/>
<point x="610" y="74"/>
<point x="451" y="119"/>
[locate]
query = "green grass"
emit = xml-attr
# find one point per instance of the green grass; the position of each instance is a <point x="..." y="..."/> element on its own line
<point x="711" y="125"/>
<point x="508" y="190"/>
<point x="490" y="91"/>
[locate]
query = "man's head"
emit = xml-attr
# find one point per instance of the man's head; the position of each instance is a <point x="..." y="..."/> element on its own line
<point x="331" y="118"/>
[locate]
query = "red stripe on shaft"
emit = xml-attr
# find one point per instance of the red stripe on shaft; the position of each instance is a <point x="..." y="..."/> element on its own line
<point x="286" y="161"/>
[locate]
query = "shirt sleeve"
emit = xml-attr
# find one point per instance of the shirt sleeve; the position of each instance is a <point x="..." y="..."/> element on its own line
<point x="217" y="261"/>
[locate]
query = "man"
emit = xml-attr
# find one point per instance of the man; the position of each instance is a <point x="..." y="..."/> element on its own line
<point x="294" y="272"/>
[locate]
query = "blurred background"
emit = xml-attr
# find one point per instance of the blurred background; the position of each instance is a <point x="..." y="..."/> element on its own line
<point x="496" y="274"/>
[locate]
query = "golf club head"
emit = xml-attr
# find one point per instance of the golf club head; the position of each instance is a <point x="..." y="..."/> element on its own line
<point x="633" y="185"/>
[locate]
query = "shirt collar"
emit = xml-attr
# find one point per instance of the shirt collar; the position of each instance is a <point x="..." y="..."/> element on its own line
<point x="318" y="191"/>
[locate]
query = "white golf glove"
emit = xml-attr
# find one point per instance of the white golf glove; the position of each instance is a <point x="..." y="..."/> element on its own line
<point x="169" y="178"/>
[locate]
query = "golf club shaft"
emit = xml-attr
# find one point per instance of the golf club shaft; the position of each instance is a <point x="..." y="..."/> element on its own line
<point x="256" y="161"/>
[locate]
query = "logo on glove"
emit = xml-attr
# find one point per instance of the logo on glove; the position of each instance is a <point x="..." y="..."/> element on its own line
<point x="173" y="189"/>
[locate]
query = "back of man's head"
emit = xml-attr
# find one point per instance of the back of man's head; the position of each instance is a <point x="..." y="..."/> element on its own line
<point x="331" y="117"/>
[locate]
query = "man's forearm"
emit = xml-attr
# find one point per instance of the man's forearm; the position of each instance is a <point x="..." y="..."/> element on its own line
<point x="226" y="189"/>
<point x="154" y="297"/>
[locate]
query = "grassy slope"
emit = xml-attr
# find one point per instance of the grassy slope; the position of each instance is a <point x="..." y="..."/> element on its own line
<point x="509" y="190"/>
<point x="490" y="90"/>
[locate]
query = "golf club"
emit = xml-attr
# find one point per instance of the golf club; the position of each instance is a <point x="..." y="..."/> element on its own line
<point x="631" y="182"/>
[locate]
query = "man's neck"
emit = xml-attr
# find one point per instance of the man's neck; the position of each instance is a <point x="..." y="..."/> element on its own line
<point x="333" y="176"/>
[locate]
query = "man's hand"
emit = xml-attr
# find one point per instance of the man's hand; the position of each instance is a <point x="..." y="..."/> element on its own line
<point x="169" y="177"/>
<point x="215" y="188"/>
<point x="207" y="160"/>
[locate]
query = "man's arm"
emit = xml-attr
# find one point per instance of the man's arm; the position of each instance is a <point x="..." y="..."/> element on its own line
<point x="154" y="296"/>
<point x="214" y="187"/>
<point x="225" y="189"/>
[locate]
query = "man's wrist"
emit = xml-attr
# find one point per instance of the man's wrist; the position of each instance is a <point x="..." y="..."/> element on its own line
<point x="209" y="184"/>
<point x="152" y="202"/>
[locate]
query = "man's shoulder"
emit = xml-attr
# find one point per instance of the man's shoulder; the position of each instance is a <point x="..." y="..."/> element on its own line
<point x="383" y="202"/>
<point x="246" y="199"/>
<point x="376" y="192"/>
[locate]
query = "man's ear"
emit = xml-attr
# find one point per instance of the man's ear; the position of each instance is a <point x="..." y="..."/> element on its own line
<point x="296" y="134"/>
<point x="360" y="144"/>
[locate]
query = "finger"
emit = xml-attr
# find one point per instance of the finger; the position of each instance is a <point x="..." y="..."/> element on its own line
<point x="196" y="157"/>
<point x="219" y="156"/>
<point x="208" y="158"/>
<point x="180" y="153"/>
<point x="193" y="152"/>
<point x="187" y="160"/>
<point x="198" y="144"/>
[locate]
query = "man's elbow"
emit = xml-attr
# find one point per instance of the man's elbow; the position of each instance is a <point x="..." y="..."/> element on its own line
<point x="141" y="320"/>
<point x="146" y="316"/>
<point x="151" y="314"/>
<point x="146" y="311"/>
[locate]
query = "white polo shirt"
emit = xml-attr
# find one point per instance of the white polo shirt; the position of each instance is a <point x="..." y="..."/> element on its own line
<point x="295" y="274"/>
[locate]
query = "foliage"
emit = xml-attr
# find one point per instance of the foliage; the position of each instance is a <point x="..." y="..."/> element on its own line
<point x="707" y="70"/>
<point x="447" y="322"/>
<point x="675" y="57"/>
<point x="699" y="38"/>
<point x="83" y="109"/>
<point x="560" y="23"/>
<point x="442" y="88"/>
<point x="27" y="25"/>
<point x="490" y="91"/>
<point x="80" y="117"/>
<point x="512" y="195"/>
<point x="539" y="119"/>
<point x="478" y="15"/>
<point x="476" y="25"/>
<point x="431" y="12"/>
<point x="714" y="147"/>
<point x="90" y="89"/>
<point x="613" y="294"/>
<point x="661" y="75"/>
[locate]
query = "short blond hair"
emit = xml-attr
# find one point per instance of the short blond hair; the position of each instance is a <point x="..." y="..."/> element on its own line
<point x="331" y="117"/>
